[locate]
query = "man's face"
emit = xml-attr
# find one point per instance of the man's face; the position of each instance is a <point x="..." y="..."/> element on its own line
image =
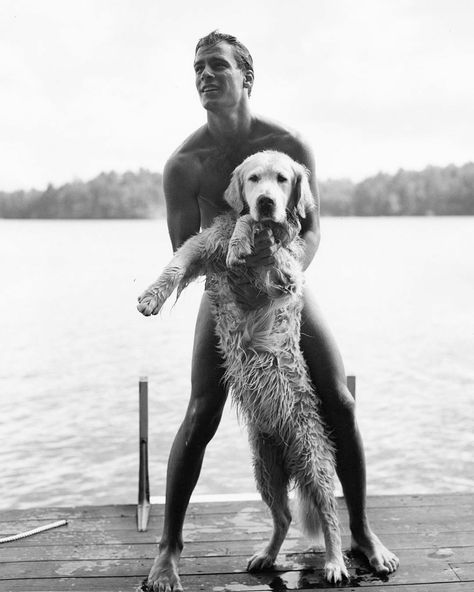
<point x="219" y="80"/>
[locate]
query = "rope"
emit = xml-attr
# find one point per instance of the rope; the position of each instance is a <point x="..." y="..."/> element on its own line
<point x="22" y="535"/>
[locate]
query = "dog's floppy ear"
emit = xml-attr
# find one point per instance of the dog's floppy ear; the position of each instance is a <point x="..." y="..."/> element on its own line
<point x="302" y="199"/>
<point x="234" y="195"/>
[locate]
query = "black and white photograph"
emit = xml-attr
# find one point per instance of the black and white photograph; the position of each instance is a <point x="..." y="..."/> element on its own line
<point x="236" y="320"/>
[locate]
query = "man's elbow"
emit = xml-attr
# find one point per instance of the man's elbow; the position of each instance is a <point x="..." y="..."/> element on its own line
<point x="311" y="239"/>
<point x="316" y="232"/>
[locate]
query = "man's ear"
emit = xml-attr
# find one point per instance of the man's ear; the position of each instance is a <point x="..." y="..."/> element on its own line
<point x="301" y="199"/>
<point x="248" y="80"/>
<point x="234" y="193"/>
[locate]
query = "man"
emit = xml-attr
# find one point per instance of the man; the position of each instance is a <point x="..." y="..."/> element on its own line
<point x="195" y="178"/>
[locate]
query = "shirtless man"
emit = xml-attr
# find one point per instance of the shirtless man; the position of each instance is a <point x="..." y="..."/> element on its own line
<point x="195" y="178"/>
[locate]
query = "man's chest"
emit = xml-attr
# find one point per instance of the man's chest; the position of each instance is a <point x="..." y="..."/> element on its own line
<point x="218" y="165"/>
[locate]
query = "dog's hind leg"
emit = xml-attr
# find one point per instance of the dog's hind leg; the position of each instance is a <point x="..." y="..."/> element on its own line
<point x="334" y="566"/>
<point x="272" y="482"/>
<point x="317" y="499"/>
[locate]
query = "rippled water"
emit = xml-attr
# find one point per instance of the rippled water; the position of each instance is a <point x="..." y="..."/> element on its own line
<point x="397" y="293"/>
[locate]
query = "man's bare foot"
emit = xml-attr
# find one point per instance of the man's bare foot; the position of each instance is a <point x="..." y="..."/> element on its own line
<point x="164" y="576"/>
<point x="381" y="559"/>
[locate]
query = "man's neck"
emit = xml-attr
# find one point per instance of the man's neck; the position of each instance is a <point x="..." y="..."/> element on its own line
<point x="231" y="127"/>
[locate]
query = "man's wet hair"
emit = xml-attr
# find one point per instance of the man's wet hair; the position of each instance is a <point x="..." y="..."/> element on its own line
<point x="242" y="55"/>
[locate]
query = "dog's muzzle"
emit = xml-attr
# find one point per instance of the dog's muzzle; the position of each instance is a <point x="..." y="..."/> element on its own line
<point x="265" y="206"/>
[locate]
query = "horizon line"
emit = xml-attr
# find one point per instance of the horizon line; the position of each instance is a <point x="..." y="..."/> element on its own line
<point x="319" y="179"/>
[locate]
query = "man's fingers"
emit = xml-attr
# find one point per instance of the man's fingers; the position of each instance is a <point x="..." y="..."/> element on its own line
<point x="263" y="242"/>
<point x="261" y="259"/>
<point x="264" y="233"/>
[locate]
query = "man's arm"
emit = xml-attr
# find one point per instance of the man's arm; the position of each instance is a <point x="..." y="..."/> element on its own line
<point x="181" y="186"/>
<point x="310" y="227"/>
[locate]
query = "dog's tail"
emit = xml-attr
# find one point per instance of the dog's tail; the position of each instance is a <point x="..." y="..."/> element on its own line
<point x="308" y="515"/>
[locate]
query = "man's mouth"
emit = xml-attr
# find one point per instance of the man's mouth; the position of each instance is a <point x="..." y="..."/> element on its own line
<point x="206" y="89"/>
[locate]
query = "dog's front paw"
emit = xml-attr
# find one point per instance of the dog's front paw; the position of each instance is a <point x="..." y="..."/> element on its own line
<point x="335" y="570"/>
<point x="149" y="303"/>
<point x="237" y="251"/>
<point x="233" y="259"/>
<point x="260" y="561"/>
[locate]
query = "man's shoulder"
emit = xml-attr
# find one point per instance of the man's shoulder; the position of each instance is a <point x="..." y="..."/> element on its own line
<point x="186" y="159"/>
<point x="190" y="148"/>
<point x="190" y="155"/>
<point x="278" y="136"/>
<point x="272" y="126"/>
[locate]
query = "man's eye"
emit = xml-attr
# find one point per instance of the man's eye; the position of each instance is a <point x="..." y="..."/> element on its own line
<point x="281" y="179"/>
<point x="253" y="178"/>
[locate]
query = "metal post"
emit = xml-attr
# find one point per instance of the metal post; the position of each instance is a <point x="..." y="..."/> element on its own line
<point x="351" y="385"/>
<point x="143" y="507"/>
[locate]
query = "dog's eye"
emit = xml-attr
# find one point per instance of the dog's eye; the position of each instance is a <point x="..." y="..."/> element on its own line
<point x="253" y="178"/>
<point x="281" y="178"/>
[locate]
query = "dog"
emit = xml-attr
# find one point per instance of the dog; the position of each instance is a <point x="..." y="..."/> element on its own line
<point x="264" y="366"/>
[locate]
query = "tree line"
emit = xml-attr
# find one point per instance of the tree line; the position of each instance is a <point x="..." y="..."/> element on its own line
<point x="432" y="191"/>
<point x="109" y="195"/>
<point x="437" y="191"/>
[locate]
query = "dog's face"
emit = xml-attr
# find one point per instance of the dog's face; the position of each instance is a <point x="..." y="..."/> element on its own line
<point x="268" y="184"/>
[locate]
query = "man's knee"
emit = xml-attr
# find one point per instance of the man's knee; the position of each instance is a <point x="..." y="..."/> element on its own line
<point x="203" y="416"/>
<point x="339" y="406"/>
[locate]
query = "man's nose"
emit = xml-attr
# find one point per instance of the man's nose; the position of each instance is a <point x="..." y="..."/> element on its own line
<point x="207" y="73"/>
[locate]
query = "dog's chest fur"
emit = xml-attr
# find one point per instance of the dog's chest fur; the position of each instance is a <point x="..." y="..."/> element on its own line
<point x="261" y="347"/>
<point x="269" y="327"/>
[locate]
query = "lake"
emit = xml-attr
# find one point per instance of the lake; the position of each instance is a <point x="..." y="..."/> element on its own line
<point x="397" y="292"/>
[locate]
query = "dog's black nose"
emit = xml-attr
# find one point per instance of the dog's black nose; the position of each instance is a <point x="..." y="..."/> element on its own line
<point x="265" y="204"/>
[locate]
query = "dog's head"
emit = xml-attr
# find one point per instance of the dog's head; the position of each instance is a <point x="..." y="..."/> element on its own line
<point x="270" y="185"/>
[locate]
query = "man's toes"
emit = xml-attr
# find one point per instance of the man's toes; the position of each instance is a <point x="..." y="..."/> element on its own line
<point x="390" y="566"/>
<point x="378" y="565"/>
<point x="166" y="586"/>
<point x="393" y="563"/>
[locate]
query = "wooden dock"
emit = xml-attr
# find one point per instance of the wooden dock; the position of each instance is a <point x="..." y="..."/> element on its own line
<point x="101" y="549"/>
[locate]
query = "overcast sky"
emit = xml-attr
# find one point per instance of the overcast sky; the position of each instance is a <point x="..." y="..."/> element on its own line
<point x="108" y="84"/>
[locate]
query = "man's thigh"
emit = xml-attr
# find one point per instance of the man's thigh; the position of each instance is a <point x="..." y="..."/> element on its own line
<point x="322" y="355"/>
<point x="207" y="373"/>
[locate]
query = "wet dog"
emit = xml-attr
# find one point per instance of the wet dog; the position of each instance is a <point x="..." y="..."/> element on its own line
<point x="264" y="366"/>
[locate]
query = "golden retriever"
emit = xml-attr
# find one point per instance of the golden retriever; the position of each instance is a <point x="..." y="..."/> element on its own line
<point x="264" y="366"/>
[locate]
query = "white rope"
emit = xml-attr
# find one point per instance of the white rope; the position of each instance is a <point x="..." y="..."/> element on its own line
<point x="22" y="535"/>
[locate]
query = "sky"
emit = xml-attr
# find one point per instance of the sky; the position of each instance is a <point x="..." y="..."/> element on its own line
<point x="100" y="85"/>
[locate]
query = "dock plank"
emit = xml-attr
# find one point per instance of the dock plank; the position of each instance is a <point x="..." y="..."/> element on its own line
<point x="464" y="571"/>
<point x="83" y="548"/>
<point x="414" y="566"/>
<point x="132" y="585"/>
<point x="100" y="548"/>
<point x="122" y="511"/>
<point x="242" y="522"/>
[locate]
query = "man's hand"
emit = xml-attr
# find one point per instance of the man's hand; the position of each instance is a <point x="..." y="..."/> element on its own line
<point x="263" y="255"/>
<point x="264" y="249"/>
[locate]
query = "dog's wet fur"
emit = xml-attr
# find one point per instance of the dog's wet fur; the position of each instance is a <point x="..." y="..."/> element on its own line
<point x="264" y="366"/>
